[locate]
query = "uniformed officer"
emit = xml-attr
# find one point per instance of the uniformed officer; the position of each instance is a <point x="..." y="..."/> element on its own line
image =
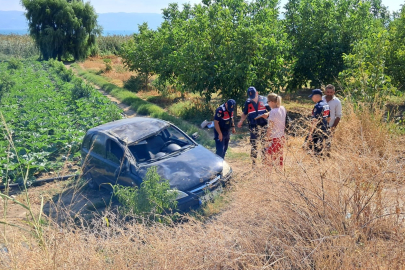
<point x="256" y="111"/>
<point x="223" y="123"/>
<point x="319" y="129"/>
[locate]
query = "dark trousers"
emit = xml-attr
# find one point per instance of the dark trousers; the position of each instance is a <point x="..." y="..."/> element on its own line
<point x="257" y="135"/>
<point x="222" y="146"/>
<point x="320" y="142"/>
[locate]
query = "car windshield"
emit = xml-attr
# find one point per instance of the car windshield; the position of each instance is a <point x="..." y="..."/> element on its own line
<point x="164" y="143"/>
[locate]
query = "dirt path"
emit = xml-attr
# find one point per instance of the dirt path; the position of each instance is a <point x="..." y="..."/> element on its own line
<point x="128" y="112"/>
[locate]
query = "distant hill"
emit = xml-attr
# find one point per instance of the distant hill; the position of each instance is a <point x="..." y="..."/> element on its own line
<point x="112" y="23"/>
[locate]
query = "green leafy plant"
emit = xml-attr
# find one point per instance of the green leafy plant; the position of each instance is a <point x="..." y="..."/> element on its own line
<point x="108" y="65"/>
<point x="365" y="77"/>
<point x="134" y="83"/>
<point x="53" y="116"/>
<point x="81" y="89"/>
<point x="14" y="63"/>
<point x="6" y="83"/>
<point x="153" y="197"/>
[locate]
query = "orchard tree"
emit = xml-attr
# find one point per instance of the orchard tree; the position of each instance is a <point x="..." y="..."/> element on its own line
<point x="321" y="31"/>
<point x="140" y="53"/>
<point x="224" y="46"/>
<point x="219" y="46"/>
<point x="365" y="78"/>
<point x="396" y="51"/>
<point x="62" y="28"/>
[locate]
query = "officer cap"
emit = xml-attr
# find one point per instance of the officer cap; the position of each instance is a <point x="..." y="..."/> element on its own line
<point x="251" y="92"/>
<point x="315" y="92"/>
<point x="231" y="105"/>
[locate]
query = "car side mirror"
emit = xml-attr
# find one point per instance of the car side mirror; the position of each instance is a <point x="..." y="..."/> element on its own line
<point x="195" y="136"/>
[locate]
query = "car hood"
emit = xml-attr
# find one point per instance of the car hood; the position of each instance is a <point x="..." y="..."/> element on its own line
<point x="188" y="169"/>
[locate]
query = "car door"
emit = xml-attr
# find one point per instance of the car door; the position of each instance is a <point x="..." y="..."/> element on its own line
<point x="95" y="163"/>
<point x="117" y="167"/>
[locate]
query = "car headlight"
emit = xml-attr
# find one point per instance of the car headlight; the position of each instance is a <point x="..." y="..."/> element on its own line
<point x="225" y="168"/>
<point x="180" y="194"/>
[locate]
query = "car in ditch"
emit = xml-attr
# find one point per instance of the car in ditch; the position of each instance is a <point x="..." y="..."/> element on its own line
<point x="122" y="151"/>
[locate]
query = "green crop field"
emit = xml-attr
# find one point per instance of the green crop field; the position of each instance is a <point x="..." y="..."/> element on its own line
<point x="46" y="112"/>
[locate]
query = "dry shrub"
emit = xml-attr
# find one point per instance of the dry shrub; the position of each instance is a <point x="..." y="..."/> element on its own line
<point x="342" y="212"/>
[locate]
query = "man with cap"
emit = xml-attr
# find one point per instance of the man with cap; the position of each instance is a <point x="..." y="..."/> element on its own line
<point x="256" y="111"/>
<point x="319" y="128"/>
<point x="223" y="123"/>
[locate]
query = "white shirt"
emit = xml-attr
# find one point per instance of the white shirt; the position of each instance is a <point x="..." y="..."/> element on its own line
<point x="277" y="116"/>
<point x="335" y="109"/>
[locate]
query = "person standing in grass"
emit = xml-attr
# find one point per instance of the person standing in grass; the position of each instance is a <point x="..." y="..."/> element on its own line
<point x="319" y="128"/>
<point x="275" y="130"/>
<point x="223" y="123"/>
<point x="335" y="106"/>
<point x="255" y="110"/>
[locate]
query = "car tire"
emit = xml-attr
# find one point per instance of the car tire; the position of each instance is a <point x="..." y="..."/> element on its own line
<point x="90" y="182"/>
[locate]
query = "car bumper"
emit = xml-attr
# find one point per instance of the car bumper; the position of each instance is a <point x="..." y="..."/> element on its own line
<point x="203" y="192"/>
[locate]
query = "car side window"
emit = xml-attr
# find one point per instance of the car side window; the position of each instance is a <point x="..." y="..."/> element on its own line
<point x="114" y="151"/>
<point x="98" y="144"/>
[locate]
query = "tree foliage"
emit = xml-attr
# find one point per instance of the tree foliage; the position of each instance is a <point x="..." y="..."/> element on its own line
<point x="224" y="46"/>
<point x="62" y="28"/>
<point x="321" y="31"/>
<point x="221" y="46"/>
<point x="396" y="51"/>
<point x="365" y="75"/>
<point x="140" y="54"/>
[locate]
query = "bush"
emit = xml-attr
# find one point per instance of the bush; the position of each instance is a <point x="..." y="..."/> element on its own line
<point x="196" y="110"/>
<point x="80" y="89"/>
<point x="134" y="83"/>
<point x="6" y="83"/>
<point x="108" y="65"/>
<point x="14" y="63"/>
<point x="64" y="73"/>
<point x="153" y="197"/>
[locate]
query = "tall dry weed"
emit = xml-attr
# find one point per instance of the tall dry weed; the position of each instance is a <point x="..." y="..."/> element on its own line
<point x="342" y="212"/>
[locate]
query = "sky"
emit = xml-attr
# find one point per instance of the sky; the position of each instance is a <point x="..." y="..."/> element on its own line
<point x="152" y="6"/>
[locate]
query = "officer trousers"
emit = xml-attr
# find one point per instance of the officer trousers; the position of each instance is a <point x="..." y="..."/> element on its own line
<point x="320" y="142"/>
<point x="222" y="146"/>
<point x="257" y="136"/>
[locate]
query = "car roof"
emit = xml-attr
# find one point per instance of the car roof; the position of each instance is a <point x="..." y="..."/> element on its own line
<point x="131" y="129"/>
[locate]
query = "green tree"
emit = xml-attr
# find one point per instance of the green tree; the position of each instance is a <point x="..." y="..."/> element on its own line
<point x="321" y="31"/>
<point x="140" y="54"/>
<point x="365" y="78"/>
<point x="62" y="28"/>
<point x="220" y="46"/>
<point x="224" y="46"/>
<point x="396" y="51"/>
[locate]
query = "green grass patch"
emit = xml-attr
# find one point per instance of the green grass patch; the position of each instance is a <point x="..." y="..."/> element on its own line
<point x="231" y="154"/>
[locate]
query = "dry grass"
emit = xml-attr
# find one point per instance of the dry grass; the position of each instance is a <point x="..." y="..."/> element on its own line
<point x="118" y="76"/>
<point x="343" y="212"/>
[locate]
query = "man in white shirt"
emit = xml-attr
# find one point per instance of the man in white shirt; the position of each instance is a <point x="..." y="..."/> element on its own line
<point x="334" y="105"/>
